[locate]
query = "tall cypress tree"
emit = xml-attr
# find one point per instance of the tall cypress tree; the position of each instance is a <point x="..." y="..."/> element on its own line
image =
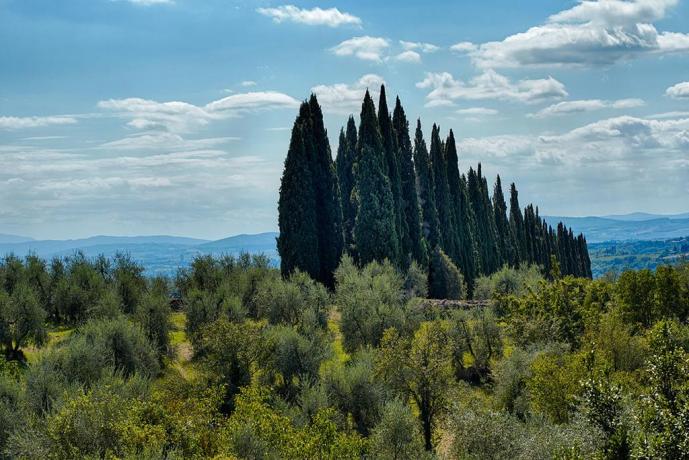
<point x="389" y="139"/>
<point x="328" y="208"/>
<point x="485" y="221"/>
<point x="502" y="225"/>
<point x="517" y="226"/>
<point x="424" y="177"/>
<point x="298" y="239"/>
<point x="346" y="154"/>
<point x="442" y="194"/>
<point x="465" y="247"/>
<point x="375" y="219"/>
<point x="413" y="244"/>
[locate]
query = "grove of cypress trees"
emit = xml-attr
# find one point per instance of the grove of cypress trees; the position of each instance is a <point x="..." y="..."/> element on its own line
<point x="298" y="239"/>
<point x="383" y="199"/>
<point x="346" y="154"/>
<point x="424" y="177"/>
<point x="374" y="228"/>
<point x="412" y="243"/>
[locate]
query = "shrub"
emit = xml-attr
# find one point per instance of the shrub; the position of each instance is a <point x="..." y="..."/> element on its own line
<point x="445" y="281"/>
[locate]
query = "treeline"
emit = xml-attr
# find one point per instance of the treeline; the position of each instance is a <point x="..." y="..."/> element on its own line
<point x="255" y="365"/>
<point x="386" y="197"/>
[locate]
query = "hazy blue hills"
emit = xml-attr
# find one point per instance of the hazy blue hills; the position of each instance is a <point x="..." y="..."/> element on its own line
<point x="630" y="227"/>
<point x="637" y="240"/>
<point x="160" y="254"/>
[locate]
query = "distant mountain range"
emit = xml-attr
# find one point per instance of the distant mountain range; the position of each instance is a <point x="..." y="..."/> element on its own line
<point x="164" y="255"/>
<point x="628" y="227"/>
<point x="160" y="255"/>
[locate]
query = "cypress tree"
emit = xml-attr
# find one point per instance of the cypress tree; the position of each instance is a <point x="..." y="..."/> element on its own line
<point x="485" y="221"/>
<point x="442" y="193"/>
<point x="517" y="226"/>
<point x="298" y="239"/>
<point x="413" y="245"/>
<point x="465" y="246"/>
<point x="424" y="177"/>
<point x="502" y="225"/>
<point x="327" y="192"/>
<point x="389" y="139"/>
<point x="374" y="227"/>
<point x="346" y="154"/>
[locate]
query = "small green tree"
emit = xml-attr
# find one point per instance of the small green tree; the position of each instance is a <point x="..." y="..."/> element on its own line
<point x="445" y="281"/>
<point x="419" y="368"/>
<point x="21" y="321"/>
<point x="397" y="436"/>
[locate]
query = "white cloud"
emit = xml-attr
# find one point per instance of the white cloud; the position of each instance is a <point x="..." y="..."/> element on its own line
<point x="247" y="83"/>
<point x="463" y="47"/>
<point x="679" y="91"/>
<point x="591" y="33"/>
<point x="409" y="56"/>
<point x="178" y="116"/>
<point x="34" y="122"/>
<point x="366" y="48"/>
<point x="477" y="112"/>
<point x="164" y="141"/>
<point x="151" y="2"/>
<point x="489" y="85"/>
<point x="419" y="46"/>
<point x="331" y="17"/>
<point x="345" y="98"/>
<point x="585" y="105"/>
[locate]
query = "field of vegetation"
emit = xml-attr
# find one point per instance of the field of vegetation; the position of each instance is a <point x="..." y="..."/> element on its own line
<point x="230" y="360"/>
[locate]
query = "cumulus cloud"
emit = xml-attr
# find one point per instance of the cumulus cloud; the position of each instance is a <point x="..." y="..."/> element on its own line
<point x="90" y="191"/>
<point x="463" y="47"/>
<point x="489" y="85"/>
<point x="585" y="105"/>
<point x="409" y="56"/>
<point x="331" y="17"/>
<point x="419" y="46"/>
<point x="34" y="122"/>
<point x="176" y="116"/>
<point x="151" y="2"/>
<point x="679" y="91"/>
<point x="591" y="33"/>
<point x="345" y="98"/>
<point x="365" y="48"/>
<point x="618" y="158"/>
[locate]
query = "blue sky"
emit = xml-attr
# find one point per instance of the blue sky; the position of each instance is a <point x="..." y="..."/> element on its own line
<point x="172" y="116"/>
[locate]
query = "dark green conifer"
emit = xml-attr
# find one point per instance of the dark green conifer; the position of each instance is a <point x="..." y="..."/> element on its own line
<point x="389" y="139"/>
<point x="298" y="240"/>
<point x="442" y="194"/>
<point x="505" y="238"/>
<point x="465" y="246"/>
<point x="430" y="223"/>
<point x="327" y="192"/>
<point x="517" y="226"/>
<point x="445" y="281"/>
<point x="413" y="244"/>
<point x="374" y="228"/>
<point x="346" y="154"/>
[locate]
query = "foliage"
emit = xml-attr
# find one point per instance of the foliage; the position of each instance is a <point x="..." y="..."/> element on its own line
<point x="370" y="301"/>
<point x="445" y="281"/>
<point x="419" y="368"/>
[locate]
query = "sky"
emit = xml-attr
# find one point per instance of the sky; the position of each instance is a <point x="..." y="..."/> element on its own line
<point x="132" y="117"/>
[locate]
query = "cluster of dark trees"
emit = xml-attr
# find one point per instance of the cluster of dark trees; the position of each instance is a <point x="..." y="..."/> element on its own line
<point x="386" y="197"/>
